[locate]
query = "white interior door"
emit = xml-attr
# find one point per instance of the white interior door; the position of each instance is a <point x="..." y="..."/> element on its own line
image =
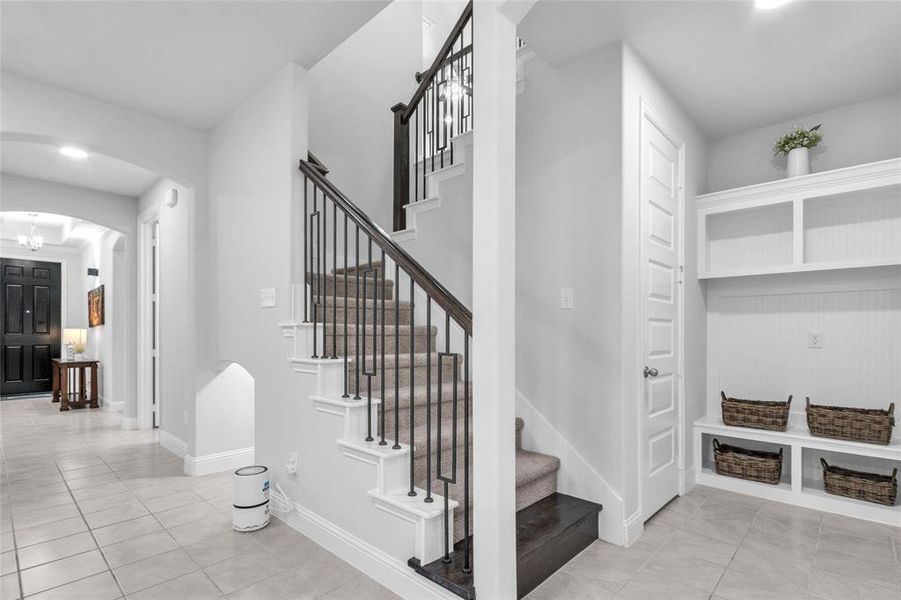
<point x="660" y="198"/>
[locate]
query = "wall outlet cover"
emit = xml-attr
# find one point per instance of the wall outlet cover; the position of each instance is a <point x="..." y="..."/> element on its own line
<point x="814" y="339"/>
<point x="567" y="299"/>
<point x="268" y="298"/>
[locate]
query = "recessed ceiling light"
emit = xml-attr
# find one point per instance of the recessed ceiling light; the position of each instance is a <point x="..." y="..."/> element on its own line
<point x="769" y="4"/>
<point x="73" y="152"/>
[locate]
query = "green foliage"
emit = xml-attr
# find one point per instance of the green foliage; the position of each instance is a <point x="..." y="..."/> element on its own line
<point x="798" y="138"/>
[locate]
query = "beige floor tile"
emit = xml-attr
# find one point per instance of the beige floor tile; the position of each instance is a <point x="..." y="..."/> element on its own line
<point x="126" y="530"/>
<point x="50" y="531"/>
<point x="92" y="505"/>
<point x="154" y="570"/>
<point x="8" y="563"/>
<point x="239" y="572"/>
<point x="139" y="548"/>
<point x="288" y="585"/>
<point x="684" y="543"/>
<point x="7" y="542"/>
<point x="24" y="505"/>
<point x="876" y="549"/>
<point x="696" y="572"/>
<point x="647" y="587"/>
<point x="76" y="464"/>
<point x="201" y="529"/>
<point x="854" y="567"/>
<point x="361" y="587"/>
<point x="169" y="501"/>
<point x="752" y="562"/>
<point x="851" y="526"/>
<point x="606" y="566"/>
<point x="101" y="586"/>
<point x="830" y="586"/>
<point x="174" y="517"/>
<point x="736" y="585"/>
<point x="60" y="572"/>
<point x="9" y="587"/>
<point x="83" y="472"/>
<point x="116" y="514"/>
<point x="222" y="547"/>
<point x="563" y="584"/>
<point x="791" y="547"/>
<point x="45" y="515"/>
<point x="46" y="552"/>
<point x="193" y="586"/>
<point x="99" y="491"/>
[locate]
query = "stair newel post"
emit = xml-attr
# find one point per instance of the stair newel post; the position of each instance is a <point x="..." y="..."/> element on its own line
<point x="358" y="366"/>
<point x="346" y="296"/>
<point x="396" y="445"/>
<point x="412" y="491"/>
<point x="467" y="567"/>
<point x="335" y="286"/>
<point x="428" y="400"/>
<point x="383" y="406"/>
<point x="306" y="254"/>
<point x="401" y="164"/>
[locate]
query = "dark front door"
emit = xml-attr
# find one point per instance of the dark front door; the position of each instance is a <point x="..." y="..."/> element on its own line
<point x="30" y="305"/>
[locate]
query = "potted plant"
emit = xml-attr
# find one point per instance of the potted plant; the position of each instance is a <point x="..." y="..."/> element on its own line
<point x="795" y="145"/>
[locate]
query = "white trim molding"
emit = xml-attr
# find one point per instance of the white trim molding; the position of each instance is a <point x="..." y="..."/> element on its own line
<point x="173" y="444"/>
<point x="219" y="461"/>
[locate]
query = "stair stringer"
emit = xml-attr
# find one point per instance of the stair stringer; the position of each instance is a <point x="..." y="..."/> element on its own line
<point x="576" y="476"/>
<point x="381" y="472"/>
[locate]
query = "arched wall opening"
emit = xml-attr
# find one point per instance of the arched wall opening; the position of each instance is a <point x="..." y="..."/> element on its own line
<point x="225" y="420"/>
<point x="78" y="245"/>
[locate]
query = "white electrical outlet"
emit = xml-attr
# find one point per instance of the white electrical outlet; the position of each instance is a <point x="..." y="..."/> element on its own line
<point x="291" y="464"/>
<point x="567" y="299"/>
<point x="267" y="298"/>
<point x="814" y="339"/>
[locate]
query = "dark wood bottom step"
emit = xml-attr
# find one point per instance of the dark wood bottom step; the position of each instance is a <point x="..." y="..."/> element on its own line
<point x="549" y="534"/>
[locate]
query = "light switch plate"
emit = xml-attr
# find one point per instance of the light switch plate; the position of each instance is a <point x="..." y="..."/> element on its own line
<point x="567" y="299"/>
<point x="267" y="298"/>
<point x="814" y="339"/>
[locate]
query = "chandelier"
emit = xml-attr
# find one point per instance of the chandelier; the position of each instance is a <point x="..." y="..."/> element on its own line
<point x="33" y="241"/>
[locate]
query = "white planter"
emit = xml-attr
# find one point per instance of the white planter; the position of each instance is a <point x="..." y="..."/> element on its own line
<point x="798" y="162"/>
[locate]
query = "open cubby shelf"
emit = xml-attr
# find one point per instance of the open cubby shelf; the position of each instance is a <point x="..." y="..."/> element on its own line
<point x="841" y="219"/>
<point x="801" y="484"/>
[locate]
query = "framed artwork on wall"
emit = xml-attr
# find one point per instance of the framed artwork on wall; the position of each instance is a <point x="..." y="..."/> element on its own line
<point x="95" y="307"/>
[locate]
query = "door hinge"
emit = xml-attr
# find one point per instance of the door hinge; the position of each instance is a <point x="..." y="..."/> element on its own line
<point x="681" y="274"/>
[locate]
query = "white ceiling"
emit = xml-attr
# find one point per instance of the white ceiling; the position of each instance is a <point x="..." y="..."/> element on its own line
<point x="733" y="67"/>
<point x="57" y="230"/>
<point x="97" y="171"/>
<point x="190" y="62"/>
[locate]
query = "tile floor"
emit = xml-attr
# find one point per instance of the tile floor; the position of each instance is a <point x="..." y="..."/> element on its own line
<point x="717" y="545"/>
<point x="89" y="511"/>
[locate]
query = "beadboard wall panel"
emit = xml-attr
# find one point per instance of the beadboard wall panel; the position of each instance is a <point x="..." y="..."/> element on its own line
<point x="758" y="338"/>
<point x="858" y="225"/>
<point x="754" y="237"/>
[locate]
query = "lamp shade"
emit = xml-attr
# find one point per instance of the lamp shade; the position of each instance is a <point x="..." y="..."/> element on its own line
<point x="74" y="336"/>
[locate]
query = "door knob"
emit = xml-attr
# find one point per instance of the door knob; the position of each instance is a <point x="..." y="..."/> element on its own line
<point x="650" y="372"/>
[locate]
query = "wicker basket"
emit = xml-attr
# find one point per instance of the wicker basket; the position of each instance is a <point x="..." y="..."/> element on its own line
<point x="881" y="489"/>
<point x="765" y="467"/>
<point x="757" y="414"/>
<point x="855" y="424"/>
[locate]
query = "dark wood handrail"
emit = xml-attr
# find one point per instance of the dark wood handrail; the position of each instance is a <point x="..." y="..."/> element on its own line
<point x="437" y="292"/>
<point x="439" y="61"/>
<point x="318" y="164"/>
<point x="447" y="61"/>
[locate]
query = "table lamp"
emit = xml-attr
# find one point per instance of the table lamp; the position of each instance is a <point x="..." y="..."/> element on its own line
<point x="73" y="339"/>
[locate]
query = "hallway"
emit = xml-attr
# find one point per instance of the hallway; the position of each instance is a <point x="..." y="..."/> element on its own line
<point x="89" y="510"/>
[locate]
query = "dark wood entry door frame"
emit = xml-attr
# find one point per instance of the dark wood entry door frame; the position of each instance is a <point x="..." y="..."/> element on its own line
<point x="31" y="309"/>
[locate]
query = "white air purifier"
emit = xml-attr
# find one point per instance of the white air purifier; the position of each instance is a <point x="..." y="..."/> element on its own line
<point x="251" y="504"/>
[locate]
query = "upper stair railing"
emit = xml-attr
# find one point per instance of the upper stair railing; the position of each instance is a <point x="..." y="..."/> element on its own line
<point x="441" y="108"/>
<point x="358" y="311"/>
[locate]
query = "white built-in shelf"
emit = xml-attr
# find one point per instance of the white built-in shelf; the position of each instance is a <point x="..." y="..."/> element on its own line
<point x="842" y="219"/>
<point x="801" y="451"/>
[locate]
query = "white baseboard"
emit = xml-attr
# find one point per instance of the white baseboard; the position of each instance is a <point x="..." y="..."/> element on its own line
<point x="173" y="444"/>
<point x="220" y="461"/>
<point x="576" y="476"/>
<point x="384" y="568"/>
<point x="689" y="479"/>
<point x="632" y="529"/>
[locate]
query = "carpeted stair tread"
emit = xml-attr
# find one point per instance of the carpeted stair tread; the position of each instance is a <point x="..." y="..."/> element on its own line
<point x="402" y="330"/>
<point x="534" y="465"/>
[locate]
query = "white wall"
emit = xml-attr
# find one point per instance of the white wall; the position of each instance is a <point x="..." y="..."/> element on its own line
<point x="568" y="234"/>
<point x="255" y="189"/>
<point x="352" y="91"/>
<point x="442" y="16"/>
<point x="75" y="312"/>
<point x="859" y="133"/>
<point x="640" y="84"/>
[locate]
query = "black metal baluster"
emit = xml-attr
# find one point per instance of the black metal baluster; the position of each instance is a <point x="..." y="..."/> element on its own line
<point x="416" y="155"/>
<point x="412" y="491"/>
<point x="357" y="312"/>
<point x="428" y="400"/>
<point x="325" y="276"/>
<point x="335" y="286"/>
<point x="375" y="302"/>
<point x="346" y="298"/>
<point x="306" y="254"/>
<point x="383" y="407"/>
<point x="396" y="445"/>
<point x="467" y="567"/>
